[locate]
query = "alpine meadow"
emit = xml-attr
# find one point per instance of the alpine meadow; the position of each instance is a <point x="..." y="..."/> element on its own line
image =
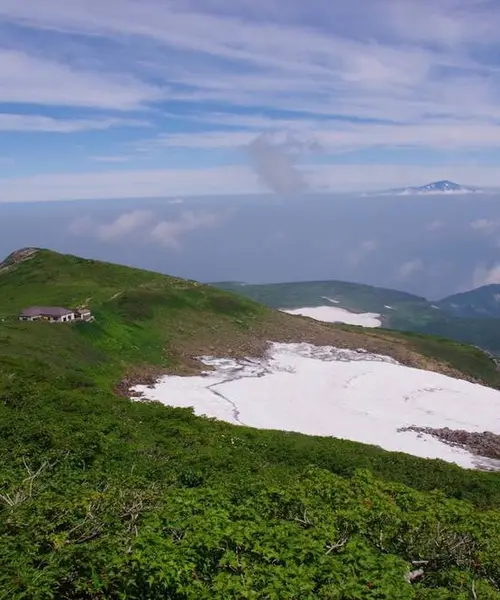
<point x="107" y="497"/>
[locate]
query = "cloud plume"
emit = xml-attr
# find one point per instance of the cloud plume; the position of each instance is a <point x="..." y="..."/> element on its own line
<point x="275" y="163"/>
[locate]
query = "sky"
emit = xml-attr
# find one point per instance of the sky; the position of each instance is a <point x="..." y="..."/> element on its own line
<point x="129" y="98"/>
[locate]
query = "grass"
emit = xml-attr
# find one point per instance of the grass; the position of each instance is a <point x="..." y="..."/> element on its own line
<point x="105" y="498"/>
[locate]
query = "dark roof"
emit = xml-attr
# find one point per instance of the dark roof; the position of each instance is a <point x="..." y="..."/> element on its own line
<point x="45" y="311"/>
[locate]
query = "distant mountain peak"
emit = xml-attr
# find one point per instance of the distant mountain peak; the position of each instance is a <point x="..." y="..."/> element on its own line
<point x="444" y="186"/>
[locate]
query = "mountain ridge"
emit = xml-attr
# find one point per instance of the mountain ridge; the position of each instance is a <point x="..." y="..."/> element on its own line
<point x="478" y="326"/>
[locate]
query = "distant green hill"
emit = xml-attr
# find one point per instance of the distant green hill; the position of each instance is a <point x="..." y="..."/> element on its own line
<point x="460" y="318"/>
<point x="359" y="297"/>
<point x="104" y="498"/>
<point x="482" y="302"/>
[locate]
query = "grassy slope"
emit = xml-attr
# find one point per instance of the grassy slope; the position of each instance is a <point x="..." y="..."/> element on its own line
<point x="411" y="313"/>
<point x="126" y="490"/>
<point x="145" y="318"/>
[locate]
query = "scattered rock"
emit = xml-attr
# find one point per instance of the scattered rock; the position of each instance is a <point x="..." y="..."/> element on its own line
<point x="17" y="257"/>
<point x="486" y="443"/>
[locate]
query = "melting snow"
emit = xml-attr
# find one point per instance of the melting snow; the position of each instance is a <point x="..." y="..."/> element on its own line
<point x="341" y="393"/>
<point x="334" y="314"/>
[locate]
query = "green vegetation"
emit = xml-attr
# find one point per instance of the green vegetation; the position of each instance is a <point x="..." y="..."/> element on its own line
<point x="105" y="498"/>
<point x="355" y="296"/>
<point x="481" y="302"/>
<point x="462" y="317"/>
<point x="483" y="333"/>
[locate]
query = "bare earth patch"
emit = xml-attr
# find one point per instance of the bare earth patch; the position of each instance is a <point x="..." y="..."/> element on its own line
<point x="224" y="340"/>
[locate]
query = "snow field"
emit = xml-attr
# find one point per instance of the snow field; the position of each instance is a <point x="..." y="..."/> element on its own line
<point x="341" y="393"/>
<point x="334" y="314"/>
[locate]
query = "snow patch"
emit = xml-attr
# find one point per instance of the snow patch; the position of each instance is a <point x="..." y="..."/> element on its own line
<point x="334" y="314"/>
<point x="334" y="300"/>
<point x="342" y="393"/>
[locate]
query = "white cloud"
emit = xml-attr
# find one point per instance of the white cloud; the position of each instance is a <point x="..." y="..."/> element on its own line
<point x="124" y="225"/>
<point x="486" y="275"/>
<point x="334" y="135"/>
<point x="410" y="268"/>
<point x="34" y="123"/>
<point x="364" y="250"/>
<point x="378" y="69"/>
<point x="111" y="159"/>
<point x="435" y="225"/>
<point x="144" y="223"/>
<point x="36" y="80"/>
<point x="208" y="140"/>
<point x="485" y="226"/>
<point x="169" y="233"/>
<point x="82" y="226"/>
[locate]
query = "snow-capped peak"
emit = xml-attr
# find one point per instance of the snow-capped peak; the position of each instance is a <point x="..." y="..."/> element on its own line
<point x="436" y="187"/>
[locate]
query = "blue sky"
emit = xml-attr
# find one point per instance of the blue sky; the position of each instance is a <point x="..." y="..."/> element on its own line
<point x="121" y="98"/>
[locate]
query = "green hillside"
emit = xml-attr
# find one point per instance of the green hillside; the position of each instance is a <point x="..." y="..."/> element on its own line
<point x="483" y="302"/>
<point x="356" y="296"/>
<point x="461" y="317"/>
<point x="105" y="498"/>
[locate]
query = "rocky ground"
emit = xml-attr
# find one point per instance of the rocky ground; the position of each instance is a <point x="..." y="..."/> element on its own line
<point x="485" y="443"/>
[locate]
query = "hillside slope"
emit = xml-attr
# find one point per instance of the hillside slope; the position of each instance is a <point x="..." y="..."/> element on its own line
<point x="152" y="319"/>
<point x="356" y="296"/>
<point x="483" y="302"/>
<point x="102" y="497"/>
<point x="459" y="318"/>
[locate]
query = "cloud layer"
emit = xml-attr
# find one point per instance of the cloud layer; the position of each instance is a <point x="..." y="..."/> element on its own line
<point x="384" y="89"/>
<point x="144" y="226"/>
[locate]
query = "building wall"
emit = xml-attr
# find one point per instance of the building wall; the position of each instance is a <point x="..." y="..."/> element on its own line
<point x="64" y="319"/>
